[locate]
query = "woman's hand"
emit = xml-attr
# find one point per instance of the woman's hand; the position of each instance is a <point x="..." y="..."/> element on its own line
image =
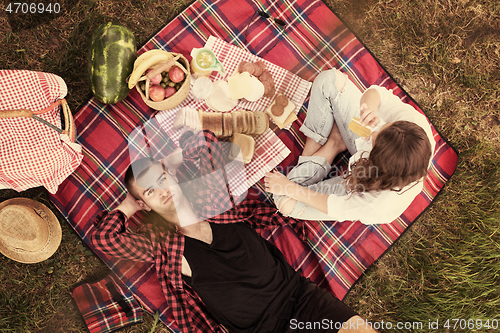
<point x="368" y="116"/>
<point x="277" y="183"/>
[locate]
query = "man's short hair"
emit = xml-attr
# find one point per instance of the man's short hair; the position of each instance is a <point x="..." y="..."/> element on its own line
<point x="134" y="171"/>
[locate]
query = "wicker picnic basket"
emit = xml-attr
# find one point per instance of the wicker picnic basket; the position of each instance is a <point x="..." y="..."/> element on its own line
<point x="179" y="96"/>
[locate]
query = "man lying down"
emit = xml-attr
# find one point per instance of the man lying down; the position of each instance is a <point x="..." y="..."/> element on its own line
<point x="213" y="266"/>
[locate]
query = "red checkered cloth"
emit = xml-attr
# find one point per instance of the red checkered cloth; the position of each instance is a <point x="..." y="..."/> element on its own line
<point x="107" y="305"/>
<point x="269" y="149"/>
<point x="335" y="254"/>
<point x="31" y="153"/>
<point x="285" y="82"/>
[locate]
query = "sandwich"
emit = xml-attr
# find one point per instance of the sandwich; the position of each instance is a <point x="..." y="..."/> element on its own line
<point x="281" y="111"/>
<point x="358" y="128"/>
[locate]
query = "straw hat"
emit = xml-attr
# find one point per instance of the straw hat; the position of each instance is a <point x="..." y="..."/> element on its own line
<point x="29" y="231"/>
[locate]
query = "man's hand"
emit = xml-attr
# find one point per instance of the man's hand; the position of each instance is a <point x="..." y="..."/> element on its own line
<point x="129" y="206"/>
<point x="173" y="161"/>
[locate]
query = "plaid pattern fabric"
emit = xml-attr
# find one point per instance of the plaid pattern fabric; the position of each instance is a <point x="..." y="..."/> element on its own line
<point x="31" y="153"/>
<point x="335" y="254"/>
<point x="285" y="82"/>
<point x="106" y="305"/>
<point x="213" y="203"/>
<point x="270" y="150"/>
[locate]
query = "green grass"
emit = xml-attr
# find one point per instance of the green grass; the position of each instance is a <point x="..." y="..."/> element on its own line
<point x="445" y="53"/>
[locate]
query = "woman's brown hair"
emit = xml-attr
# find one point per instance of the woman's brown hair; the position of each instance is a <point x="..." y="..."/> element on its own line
<point x="400" y="156"/>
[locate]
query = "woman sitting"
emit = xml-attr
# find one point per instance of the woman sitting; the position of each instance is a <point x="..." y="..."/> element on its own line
<point x="386" y="170"/>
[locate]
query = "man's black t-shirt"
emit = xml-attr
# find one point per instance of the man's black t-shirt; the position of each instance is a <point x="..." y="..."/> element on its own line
<point x="244" y="280"/>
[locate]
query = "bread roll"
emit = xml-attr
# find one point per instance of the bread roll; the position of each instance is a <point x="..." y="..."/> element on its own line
<point x="237" y="117"/>
<point x="187" y="117"/>
<point x="249" y="123"/>
<point x="180" y="119"/>
<point x="227" y="125"/>
<point x="262" y="123"/>
<point x="213" y="121"/>
<point x="224" y="125"/>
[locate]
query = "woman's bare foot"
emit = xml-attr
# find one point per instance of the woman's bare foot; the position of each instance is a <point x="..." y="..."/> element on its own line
<point x="333" y="146"/>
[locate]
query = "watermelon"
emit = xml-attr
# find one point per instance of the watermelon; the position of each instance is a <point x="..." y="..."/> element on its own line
<point x="112" y="54"/>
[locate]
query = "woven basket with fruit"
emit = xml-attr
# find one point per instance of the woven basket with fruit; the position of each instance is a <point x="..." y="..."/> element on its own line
<point x="162" y="78"/>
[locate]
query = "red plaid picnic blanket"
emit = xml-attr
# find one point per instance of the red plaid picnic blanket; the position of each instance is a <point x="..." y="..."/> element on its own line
<point x="31" y="153"/>
<point x="314" y="39"/>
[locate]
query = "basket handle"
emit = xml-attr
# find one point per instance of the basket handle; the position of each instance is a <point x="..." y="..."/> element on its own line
<point x="68" y="128"/>
<point x="183" y="67"/>
<point x="16" y="113"/>
<point x="69" y="125"/>
<point x="28" y="113"/>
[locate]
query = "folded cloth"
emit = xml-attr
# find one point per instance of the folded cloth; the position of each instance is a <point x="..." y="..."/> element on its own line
<point x="107" y="305"/>
<point x="31" y="153"/>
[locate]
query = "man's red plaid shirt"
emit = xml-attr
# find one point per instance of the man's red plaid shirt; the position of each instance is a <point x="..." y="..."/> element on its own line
<point x="165" y="252"/>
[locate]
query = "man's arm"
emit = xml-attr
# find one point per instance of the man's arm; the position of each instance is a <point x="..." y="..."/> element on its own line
<point x="210" y="194"/>
<point x="205" y="148"/>
<point x="174" y="160"/>
<point x="129" y="206"/>
<point x="112" y="238"/>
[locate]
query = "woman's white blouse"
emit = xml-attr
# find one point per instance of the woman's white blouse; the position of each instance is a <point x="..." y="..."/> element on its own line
<point x="380" y="207"/>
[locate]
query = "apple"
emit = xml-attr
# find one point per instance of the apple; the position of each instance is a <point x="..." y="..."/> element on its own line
<point x="169" y="91"/>
<point x="156" y="93"/>
<point x="176" y="74"/>
<point x="156" y="80"/>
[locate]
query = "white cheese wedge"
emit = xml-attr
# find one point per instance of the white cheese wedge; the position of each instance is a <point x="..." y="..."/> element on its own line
<point x="219" y="99"/>
<point x="258" y="90"/>
<point x="240" y="85"/>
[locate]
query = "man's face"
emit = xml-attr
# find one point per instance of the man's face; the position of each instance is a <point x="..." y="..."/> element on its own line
<point x="159" y="190"/>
